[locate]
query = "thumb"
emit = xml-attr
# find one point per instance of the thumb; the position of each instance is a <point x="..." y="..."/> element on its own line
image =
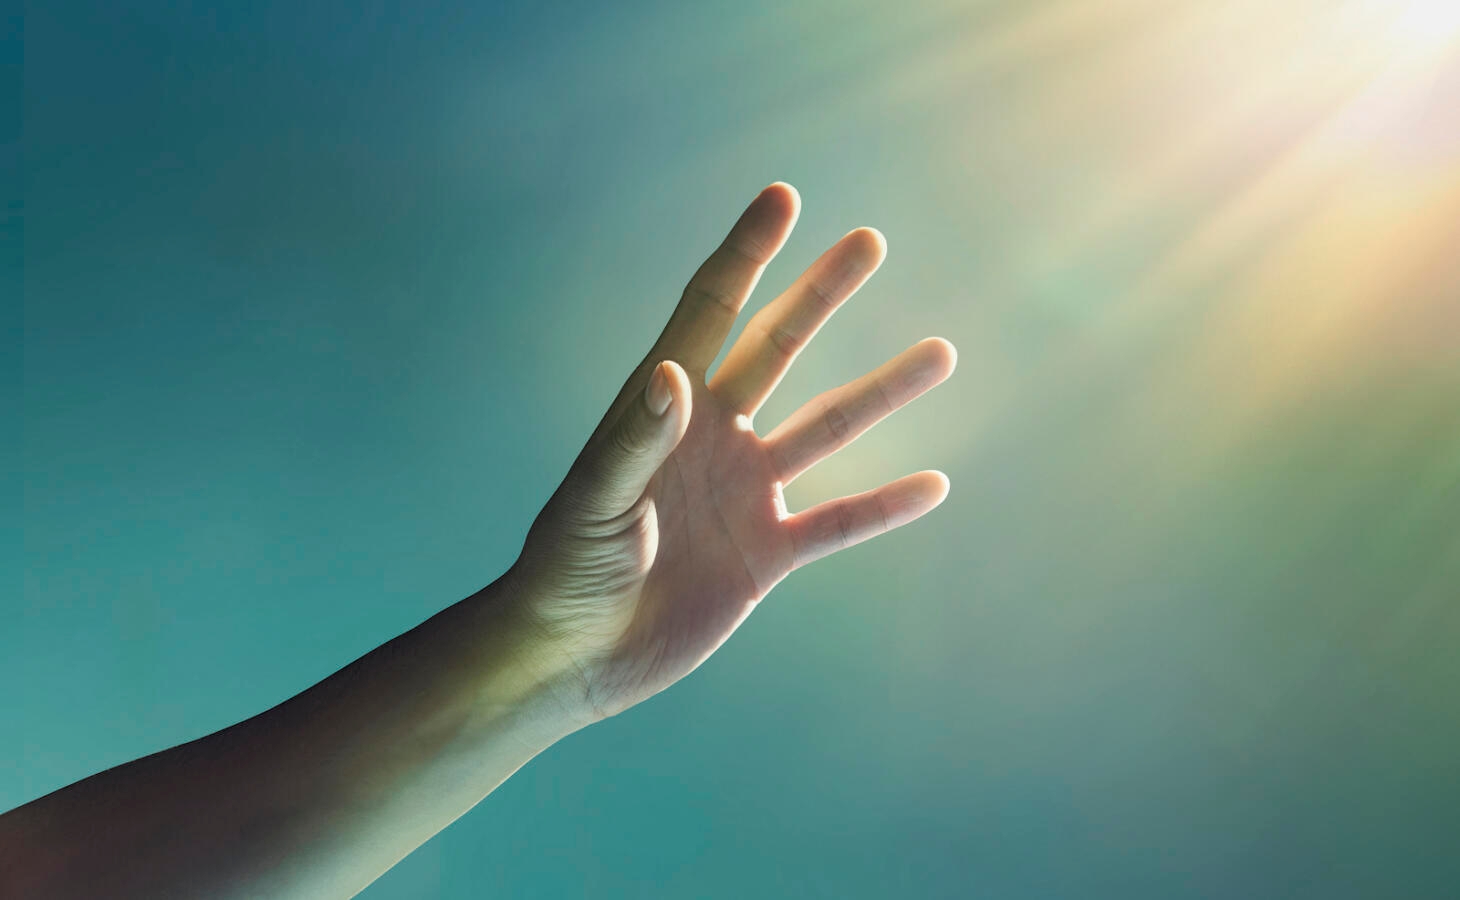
<point x="637" y="444"/>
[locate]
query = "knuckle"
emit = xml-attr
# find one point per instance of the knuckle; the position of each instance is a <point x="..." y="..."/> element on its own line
<point x="713" y="297"/>
<point x="836" y="421"/>
<point x="884" y="397"/>
<point x="880" y="503"/>
<point x="845" y="522"/>
<point x="630" y="438"/>
<point x="799" y="554"/>
<point x="822" y="294"/>
<point x="783" y="340"/>
<point x="748" y="249"/>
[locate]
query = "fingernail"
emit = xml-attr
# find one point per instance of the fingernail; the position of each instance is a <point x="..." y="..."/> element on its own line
<point x="657" y="393"/>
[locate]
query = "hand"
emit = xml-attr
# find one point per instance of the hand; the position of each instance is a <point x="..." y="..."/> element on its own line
<point x="671" y="523"/>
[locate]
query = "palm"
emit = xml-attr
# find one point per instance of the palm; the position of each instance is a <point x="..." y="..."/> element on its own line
<point x="649" y="579"/>
<point x="721" y="543"/>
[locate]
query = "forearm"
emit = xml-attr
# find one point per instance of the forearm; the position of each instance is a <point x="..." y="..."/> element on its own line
<point x="323" y="793"/>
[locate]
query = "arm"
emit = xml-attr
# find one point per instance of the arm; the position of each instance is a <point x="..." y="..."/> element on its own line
<point x="318" y="796"/>
<point x="668" y="529"/>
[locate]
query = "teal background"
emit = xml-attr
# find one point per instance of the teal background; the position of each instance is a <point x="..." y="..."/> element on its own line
<point x="320" y="300"/>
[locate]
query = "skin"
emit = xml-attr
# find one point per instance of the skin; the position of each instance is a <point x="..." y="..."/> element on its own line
<point x="667" y="530"/>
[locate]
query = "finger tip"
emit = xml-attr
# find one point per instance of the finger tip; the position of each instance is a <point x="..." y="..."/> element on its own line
<point x="924" y="491"/>
<point x="941" y="485"/>
<point x="869" y="242"/>
<point x="677" y="377"/>
<point x="786" y="195"/>
<point x="947" y="353"/>
<point x="681" y="395"/>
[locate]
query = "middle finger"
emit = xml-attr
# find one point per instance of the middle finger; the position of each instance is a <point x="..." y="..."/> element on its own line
<point x="775" y="335"/>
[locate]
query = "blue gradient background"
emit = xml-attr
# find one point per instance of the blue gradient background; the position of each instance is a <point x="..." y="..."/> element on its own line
<point x="320" y="300"/>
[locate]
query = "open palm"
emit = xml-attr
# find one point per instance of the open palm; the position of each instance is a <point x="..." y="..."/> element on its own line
<point x="671" y="523"/>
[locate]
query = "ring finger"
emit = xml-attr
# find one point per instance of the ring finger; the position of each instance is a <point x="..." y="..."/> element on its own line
<point x="832" y="420"/>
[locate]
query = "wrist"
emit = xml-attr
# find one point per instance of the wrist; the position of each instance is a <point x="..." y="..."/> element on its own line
<point x="550" y="683"/>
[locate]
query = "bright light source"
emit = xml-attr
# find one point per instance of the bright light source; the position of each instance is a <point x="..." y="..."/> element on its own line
<point x="1427" y="24"/>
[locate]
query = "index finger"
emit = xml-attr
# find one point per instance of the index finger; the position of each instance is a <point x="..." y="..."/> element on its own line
<point x="722" y="284"/>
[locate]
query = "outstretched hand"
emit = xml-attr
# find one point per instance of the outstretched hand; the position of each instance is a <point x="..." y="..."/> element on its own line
<point x="671" y="523"/>
<point x="667" y="530"/>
